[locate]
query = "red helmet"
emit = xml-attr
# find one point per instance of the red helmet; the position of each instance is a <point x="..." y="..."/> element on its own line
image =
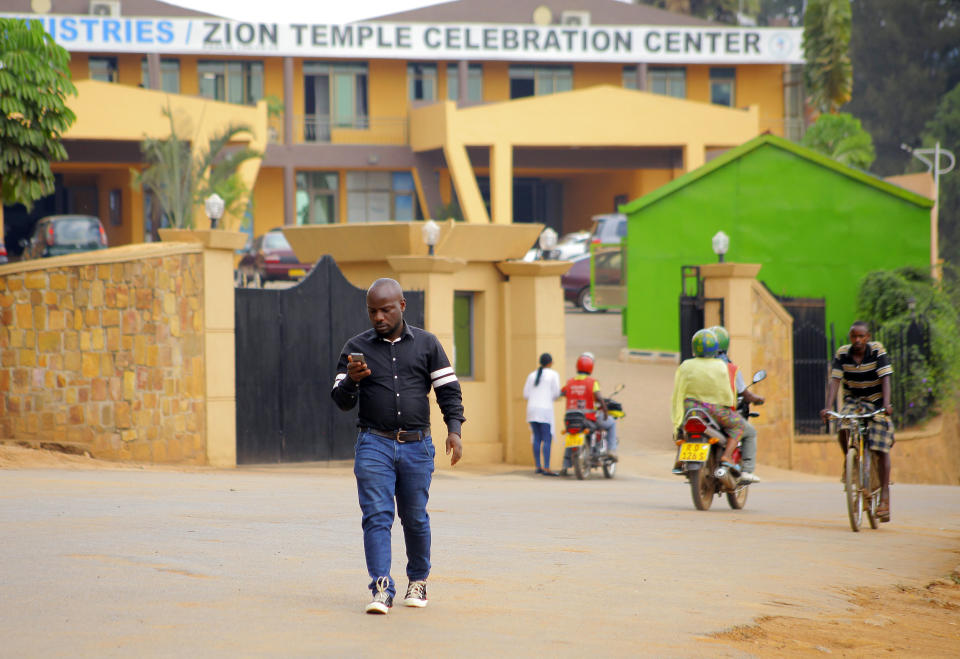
<point x="585" y="363"/>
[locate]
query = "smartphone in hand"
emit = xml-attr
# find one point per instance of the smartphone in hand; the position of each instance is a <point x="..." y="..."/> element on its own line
<point x="356" y="357"/>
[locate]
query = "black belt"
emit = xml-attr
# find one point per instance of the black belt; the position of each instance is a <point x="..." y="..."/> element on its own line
<point x="402" y="436"/>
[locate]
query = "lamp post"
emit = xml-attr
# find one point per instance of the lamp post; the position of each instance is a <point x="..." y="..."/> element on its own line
<point x="933" y="165"/>
<point x="431" y="232"/>
<point x="721" y="243"/>
<point x="547" y="241"/>
<point x="214" y="207"/>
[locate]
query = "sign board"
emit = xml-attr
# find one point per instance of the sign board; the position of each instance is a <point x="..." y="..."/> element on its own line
<point x="420" y="41"/>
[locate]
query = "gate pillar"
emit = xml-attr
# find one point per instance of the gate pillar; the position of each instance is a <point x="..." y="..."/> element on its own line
<point x="434" y="275"/>
<point x="533" y="324"/>
<point x="219" y="339"/>
<point x="733" y="283"/>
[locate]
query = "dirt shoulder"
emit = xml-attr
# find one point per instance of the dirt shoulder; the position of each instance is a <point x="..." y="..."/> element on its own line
<point x="899" y="621"/>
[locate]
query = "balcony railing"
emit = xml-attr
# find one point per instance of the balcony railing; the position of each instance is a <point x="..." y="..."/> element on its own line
<point x="322" y="129"/>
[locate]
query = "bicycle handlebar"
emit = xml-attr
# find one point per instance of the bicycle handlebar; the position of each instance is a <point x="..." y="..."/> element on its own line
<point x="868" y="415"/>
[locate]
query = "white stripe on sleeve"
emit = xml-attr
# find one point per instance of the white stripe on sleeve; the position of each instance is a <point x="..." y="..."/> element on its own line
<point x="337" y="379"/>
<point x="441" y="372"/>
<point x="442" y="381"/>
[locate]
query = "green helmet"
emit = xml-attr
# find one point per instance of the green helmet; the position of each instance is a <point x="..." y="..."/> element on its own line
<point x="704" y="343"/>
<point x="723" y="337"/>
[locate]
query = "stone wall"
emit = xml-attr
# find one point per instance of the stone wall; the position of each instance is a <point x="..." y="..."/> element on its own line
<point x="772" y="350"/>
<point x="104" y="352"/>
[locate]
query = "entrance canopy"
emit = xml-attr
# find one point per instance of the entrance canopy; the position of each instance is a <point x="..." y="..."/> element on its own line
<point x="622" y="125"/>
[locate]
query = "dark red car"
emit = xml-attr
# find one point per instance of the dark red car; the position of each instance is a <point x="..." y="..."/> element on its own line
<point x="576" y="281"/>
<point x="269" y="258"/>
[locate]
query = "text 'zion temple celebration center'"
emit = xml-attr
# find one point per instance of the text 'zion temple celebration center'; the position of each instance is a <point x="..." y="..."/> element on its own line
<point x="500" y="111"/>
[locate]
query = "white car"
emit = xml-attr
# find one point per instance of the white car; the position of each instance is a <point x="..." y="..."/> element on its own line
<point x="568" y="248"/>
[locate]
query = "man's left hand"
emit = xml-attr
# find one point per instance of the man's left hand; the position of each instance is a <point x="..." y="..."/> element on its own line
<point x="454" y="446"/>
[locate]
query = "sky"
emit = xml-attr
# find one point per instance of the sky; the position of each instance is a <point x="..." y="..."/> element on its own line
<point x="291" y="11"/>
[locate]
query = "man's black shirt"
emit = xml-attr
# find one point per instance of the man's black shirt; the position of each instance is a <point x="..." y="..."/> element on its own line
<point x="394" y="395"/>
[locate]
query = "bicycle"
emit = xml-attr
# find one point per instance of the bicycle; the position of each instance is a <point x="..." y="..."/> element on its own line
<point x="861" y="478"/>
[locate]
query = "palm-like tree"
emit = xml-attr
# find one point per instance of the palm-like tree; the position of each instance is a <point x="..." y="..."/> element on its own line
<point x="179" y="180"/>
<point x="841" y="137"/>
<point x="828" y="73"/>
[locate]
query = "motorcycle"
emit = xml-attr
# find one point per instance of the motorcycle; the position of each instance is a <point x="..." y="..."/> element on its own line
<point x="587" y="442"/>
<point x="702" y="441"/>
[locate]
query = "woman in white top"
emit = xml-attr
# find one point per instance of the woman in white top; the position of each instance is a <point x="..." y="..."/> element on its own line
<point x="541" y="389"/>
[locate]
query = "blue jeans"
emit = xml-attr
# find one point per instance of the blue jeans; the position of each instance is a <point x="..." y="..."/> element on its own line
<point x="388" y="470"/>
<point x="541" y="438"/>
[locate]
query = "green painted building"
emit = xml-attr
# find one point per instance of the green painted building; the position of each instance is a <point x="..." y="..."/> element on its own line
<point x="816" y="226"/>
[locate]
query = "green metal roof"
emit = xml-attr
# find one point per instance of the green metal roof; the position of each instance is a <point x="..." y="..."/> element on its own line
<point x="786" y="145"/>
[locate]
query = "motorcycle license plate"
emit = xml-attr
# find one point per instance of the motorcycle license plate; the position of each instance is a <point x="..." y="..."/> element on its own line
<point x="574" y="439"/>
<point x="691" y="452"/>
<point x="297" y="272"/>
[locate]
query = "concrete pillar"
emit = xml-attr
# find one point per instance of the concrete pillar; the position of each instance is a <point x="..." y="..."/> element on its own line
<point x="533" y="323"/>
<point x="733" y="283"/>
<point x="289" y="195"/>
<point x="642" y="76"/>
<point x="463" y="80"/>
<point x="434" y="275"/>
<point x="464" y="180"/>
<point x="288" y="102"/>
<point x="501" y="183"/>
<point x="694" y="156"/>
<point x="153" y="71"/>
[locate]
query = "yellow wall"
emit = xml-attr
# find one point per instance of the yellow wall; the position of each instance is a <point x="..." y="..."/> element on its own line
<point x="496" y="82"/>
<point x="590" y="74"/>
<point x="762" y="85"/>
<point x="268" y="200"/>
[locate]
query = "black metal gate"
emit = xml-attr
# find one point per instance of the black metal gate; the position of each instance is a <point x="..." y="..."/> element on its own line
<point x="810" y="361"/>
<point x="692" y="305"/>
<point x="288" y="342"/>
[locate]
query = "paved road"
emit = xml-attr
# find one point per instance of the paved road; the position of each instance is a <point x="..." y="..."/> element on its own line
<point x="268" y="562"/>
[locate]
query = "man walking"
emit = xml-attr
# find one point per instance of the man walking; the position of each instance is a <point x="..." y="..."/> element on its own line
<point x="390" y="369"/>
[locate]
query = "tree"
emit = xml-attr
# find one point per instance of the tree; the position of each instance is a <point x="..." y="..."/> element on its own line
<point x="34" y="85"/>
<point x="944" y="127"/>
<point x="828" y="71"/>
<point x="179" y="180"/>
<point x="723" y="11"/>
<point x="841" y="137"/>
<point x="905" y="57"/>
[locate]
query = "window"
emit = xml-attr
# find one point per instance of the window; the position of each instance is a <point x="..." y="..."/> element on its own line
<point x="539" y="80"/>
<point x="793" y="102"/>
<point x="722" y="88"/>
<point x="463" y="333"/>
<point x="233" y="82"/>
<point x="422" y="81"/>
<point x="153" y="218"/>
<point x="316" y="197"/>
<point x="380" y="197"/>
<point x="335" y="95"/>
<point x="474" y="83"/>
<point x="103" y="69"/>
<point x="629" y="77"/>
<point x="669" y="81"/>
<point x="169" y="75"/>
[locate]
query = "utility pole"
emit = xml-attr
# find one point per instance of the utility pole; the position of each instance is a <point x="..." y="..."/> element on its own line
<point x="933" y="165"/>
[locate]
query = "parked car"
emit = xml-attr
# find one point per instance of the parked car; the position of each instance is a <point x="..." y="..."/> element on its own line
<point x="576" y="281"/>
<point x="56" y="235"/>
<point x="568" y="247"/>
<point x="3" y="253"/>
<point x="609" y="229"/>
<point x="269" y="258"/>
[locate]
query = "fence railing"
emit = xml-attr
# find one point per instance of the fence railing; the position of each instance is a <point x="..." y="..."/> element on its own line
<point x="909" y="348"/>
<point x="318" y="128"/>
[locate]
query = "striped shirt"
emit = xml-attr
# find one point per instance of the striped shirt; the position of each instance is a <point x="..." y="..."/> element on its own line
<point x="402" y="372"/>
<point x="863" y="380"/>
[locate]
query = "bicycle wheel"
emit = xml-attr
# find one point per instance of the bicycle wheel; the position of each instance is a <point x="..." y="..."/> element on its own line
<point x="851" y="484"/>
<point x="871" y="480"/>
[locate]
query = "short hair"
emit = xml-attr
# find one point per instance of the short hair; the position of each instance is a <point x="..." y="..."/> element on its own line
<point x="861" y="323"/>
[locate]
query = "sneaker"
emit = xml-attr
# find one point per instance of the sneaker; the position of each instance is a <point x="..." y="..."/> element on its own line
<point x="564" y="472"/>
<point x="416" y="594"/>
<point x="382" y="600"/>
<point x="748" y="477"/>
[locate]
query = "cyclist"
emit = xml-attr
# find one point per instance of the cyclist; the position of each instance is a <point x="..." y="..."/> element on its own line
<point x="864" y="368"/>
<point x="583" y="393"/>
<point x="704" y="381"/>
<point x="748" y="444"/>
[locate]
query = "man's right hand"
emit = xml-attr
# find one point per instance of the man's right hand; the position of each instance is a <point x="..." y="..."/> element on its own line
<point x="357" y="370"/>
<point x="825" y="414"/>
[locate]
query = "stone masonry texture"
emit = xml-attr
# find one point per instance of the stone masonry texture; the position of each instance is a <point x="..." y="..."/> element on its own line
<point x="107" y="358"/>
